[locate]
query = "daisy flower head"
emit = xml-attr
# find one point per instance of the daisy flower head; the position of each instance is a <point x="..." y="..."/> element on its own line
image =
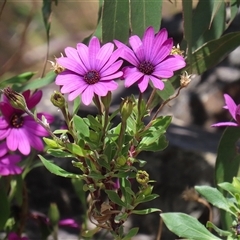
<point x="151" y="59"/>
<point x="20" y="130"/>
<point x="8" y="162"/>
<point x="89" y="70"/>
<point x="233" y="109"/>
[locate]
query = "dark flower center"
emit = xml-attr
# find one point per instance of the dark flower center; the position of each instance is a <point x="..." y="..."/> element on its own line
<point x="146" y="67"/>
<point x="17" y="121"/>
<point x="91" y="77"/>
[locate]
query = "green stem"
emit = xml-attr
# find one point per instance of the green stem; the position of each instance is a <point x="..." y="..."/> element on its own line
<point x="139" y="117"/>
<point x="121" y="138"/>
<point x="151" y="98"/>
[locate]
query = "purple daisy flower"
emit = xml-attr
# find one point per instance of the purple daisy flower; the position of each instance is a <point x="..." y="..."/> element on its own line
<point x="151" y="59"/>
<point x="20" y="130"/>
<point x="233" y="109"/>
<point x="8" y="162"/>
<point x="89" y="70"/>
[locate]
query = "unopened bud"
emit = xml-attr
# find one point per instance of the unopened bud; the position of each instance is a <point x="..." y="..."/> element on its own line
<point x="121" y="161"/>
<point x="58" y="99"/>
<point x="16" y="99"/>
<point x="142" y="177"/>
<point x="106" y="100"/>
<point x="185" y="79"/>
<point x="53" y="214"/>
<point x="126" y="108"/>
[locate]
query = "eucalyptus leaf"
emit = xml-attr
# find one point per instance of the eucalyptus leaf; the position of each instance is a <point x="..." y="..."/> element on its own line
<point x="144" y="14"/>
<point x="115" y="20"/>
<point x="186" y="226"/>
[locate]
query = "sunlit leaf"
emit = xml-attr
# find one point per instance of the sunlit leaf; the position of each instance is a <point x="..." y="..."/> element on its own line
<point x="146" y="211"/>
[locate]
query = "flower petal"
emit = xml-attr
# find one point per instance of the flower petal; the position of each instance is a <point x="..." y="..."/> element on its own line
<point x="111" y="70"/>
<point x="87" y="95"/>
<point x="157" y="83"/>
<point x="148" y="39"/>
<point x="137" y="47"/>
<point x="225" y="124"/>
<point x="93" y="49"/>
<point x="34" y="99"/>
<point x="83" y="54"/>
<point x="131" y="76"/>
<point x="231" y="105"/>
<point x="71" y="65"/>
<point x="143" y="83"/>
<point x="73" y="54"/>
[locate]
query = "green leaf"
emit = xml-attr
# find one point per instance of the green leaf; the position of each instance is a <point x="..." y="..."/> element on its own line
<point x="153" y="138"/>
<point x="59" y="153"/>
<point x="38" y="83"/>
<point x="90" y="233"/>
<point x="144" y="14"/>
<point x="17" y="80"/>
<point x="215" y="197"/>
<point x="212" y="52"/>
<point x="113" y="196"/>
<point x="76" y="149"/>
<point x="186" y="226"/>
<point x="53" y="168"/>
<point x="228" y="158"/>
<point x="51" y="143"/>
<point x="115" y="20"/>
<point x="143" y="198"/>
<point x="146" y="211"/>
<point x="81" y="126"/>
<point x="229" y="188"/>
<point x="209" y="22"/>
<point x="4" y="208"/>
<point x="76" y="105"/>
<point x="219" y="231"/>
<point x="167" y="92"/>
<point x="187" y="27"/>
<point x="132" y="232"/>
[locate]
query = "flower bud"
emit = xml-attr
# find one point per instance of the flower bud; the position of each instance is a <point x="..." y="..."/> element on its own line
<point x="56" y="67"/>
<point x="177" y="51"/>
<point x="142" y="177"/>
<point x="126" y="108"/>
<point x="106" y="100"/>
<point x="53" y="214"/>
<point x="121" y="161"/>
<point x="16" y="99"/>
<point x="58" y="100"/>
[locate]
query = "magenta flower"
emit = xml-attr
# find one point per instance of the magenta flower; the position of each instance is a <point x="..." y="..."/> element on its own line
<point x="89" y="70"/>
<point x="150" y="59"/>
<point x="234" y="111"/>
<point x="14" y="236"/>
<point x="8" y="162"/>
<point x="20" y="130"/>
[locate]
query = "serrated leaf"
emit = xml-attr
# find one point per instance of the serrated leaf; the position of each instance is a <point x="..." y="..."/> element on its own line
<point x="115" y="20"/>
<point x="113" y="196"/>
<point x="186" y="226"/>
<point x="146" y="211"/>
<point x="215" y="197"/>
<point x="144" y="14"/>
<point x="132" y="232"/>
<point x="53" y="168"/>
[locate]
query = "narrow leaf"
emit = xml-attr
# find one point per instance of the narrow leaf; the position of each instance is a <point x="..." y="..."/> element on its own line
<point x="146" y="211"/>
<point x="53" y="168"/>
<point x="131" y="234"/>
<point x="113" y="196"/>
<point x="115" y="20"/>
<point x="144" y="14"/>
